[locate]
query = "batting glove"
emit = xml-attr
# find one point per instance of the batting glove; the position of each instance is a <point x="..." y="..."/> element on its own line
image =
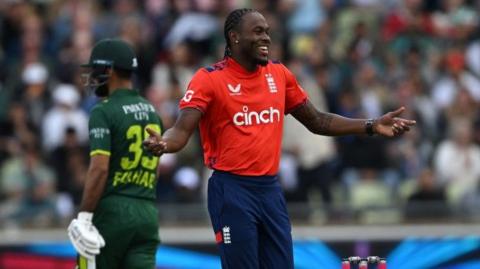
<point x="84" y="236"/>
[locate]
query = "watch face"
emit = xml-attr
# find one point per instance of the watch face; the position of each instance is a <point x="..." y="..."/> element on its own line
<point x="369" y="126"/>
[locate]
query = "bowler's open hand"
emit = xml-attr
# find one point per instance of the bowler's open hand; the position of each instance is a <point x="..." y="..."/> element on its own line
<point x="391" y="125"/>
<point x="154" y="143"/>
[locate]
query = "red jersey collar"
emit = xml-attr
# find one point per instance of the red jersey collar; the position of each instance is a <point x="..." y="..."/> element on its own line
<point x="237" y="68"/>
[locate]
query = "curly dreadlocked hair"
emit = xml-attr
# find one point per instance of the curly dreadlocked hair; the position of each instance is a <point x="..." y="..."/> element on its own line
<point x="232" y="21"/>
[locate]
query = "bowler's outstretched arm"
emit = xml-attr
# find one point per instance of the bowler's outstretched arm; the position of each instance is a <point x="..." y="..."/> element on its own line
<point x="323" y="123"/>
<point x="176" y="137"/>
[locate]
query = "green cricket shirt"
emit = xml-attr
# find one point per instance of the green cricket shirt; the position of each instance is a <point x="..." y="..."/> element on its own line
<point x="117" y="129"/>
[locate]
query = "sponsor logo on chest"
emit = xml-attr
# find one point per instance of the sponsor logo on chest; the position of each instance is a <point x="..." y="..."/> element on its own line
<point x="234" y="90"/>
<point x="251" y="117"/>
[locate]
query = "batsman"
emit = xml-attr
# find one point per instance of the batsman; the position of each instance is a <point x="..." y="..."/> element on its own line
<point x="117" y="224"/>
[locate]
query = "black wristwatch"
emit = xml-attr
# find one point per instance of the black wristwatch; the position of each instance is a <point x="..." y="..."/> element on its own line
<point x="369" y="127"/>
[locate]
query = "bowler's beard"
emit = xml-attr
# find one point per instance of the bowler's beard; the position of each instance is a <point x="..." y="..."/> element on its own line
<point x="262" y="62"/>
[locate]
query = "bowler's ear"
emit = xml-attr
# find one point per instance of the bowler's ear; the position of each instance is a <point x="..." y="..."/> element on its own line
<point x="233" y="35"/>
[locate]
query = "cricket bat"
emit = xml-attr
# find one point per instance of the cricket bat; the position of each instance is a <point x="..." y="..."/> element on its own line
<point x="84" y="263"/>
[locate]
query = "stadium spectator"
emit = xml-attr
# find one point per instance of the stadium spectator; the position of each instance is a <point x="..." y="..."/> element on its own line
<point x="457" y="163"/>
<point x="65" y="113"/>
<point x="428" y="200"/>
<point x="69" y="161"/>
<point x="370" y="197"/>
<point x="20" y="128"/>
<point x="28" y="186"/>
<point x="314" y="155"/>
<point x="455" y="77"/>
<point x="34" y="93"/>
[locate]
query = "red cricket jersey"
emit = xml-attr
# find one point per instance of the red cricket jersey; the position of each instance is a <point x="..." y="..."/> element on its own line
<point x="242" y="123"/>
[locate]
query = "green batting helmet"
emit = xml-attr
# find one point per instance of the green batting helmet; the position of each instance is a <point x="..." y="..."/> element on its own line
<point x="114" y="53"/>
<point x="108" y="53"/>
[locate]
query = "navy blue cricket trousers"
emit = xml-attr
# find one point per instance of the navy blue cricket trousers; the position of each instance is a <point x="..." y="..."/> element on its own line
<point x="250" y="221"/>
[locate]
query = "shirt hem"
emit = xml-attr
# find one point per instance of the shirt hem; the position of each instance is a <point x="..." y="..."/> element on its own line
<point x="297" y="106"/>
<point x="194" y="107"/>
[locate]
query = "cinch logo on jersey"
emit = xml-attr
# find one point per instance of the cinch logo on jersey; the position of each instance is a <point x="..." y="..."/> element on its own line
<point x="271" y="83"/>
<point x="253" y="117"/>
<point x="226" y="235"/>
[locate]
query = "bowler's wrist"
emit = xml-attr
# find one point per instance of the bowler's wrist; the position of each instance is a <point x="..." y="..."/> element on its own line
<point x="370" y="127"/>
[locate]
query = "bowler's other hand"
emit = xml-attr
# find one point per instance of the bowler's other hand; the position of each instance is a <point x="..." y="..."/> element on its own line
<point x="154" y="143"/>
<point x="390" y="125"/>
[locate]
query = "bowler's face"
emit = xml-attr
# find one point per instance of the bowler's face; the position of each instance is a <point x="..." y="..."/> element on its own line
<point x="254" y="38"/>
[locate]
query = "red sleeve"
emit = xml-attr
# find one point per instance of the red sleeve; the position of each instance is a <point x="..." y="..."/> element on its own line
<point x="199" y="92"/>
<point x="295" y="96"/>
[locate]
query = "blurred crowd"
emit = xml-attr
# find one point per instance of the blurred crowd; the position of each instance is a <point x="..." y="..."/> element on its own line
<point x="357" y="58"/>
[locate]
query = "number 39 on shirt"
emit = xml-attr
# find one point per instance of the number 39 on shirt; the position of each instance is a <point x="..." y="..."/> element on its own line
<point x="137" y="134"/>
